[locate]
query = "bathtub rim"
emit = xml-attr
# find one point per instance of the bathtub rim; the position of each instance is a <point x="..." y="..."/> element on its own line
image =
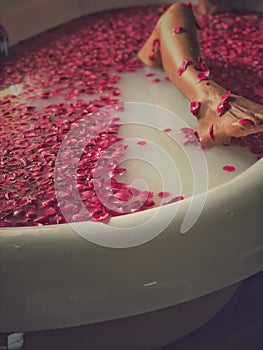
<point x="242" y="261"/>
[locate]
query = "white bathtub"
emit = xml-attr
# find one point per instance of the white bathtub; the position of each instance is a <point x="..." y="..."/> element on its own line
<point x="51" y="277"/>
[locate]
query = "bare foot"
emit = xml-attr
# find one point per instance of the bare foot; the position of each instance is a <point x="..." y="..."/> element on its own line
<point x="237" y="117"/>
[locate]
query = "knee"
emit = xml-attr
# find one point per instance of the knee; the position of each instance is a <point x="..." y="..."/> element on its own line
<point x="179" y="7"/>
<point x="178" y="10"/>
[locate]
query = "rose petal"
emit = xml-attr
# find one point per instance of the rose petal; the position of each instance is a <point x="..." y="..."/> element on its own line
<point x="195" y="107"/>
<point x="179" y="30"/>
<point x="224" y="104"/>
<point x="244" y="121"/>
<point x="187" y="131"/>
<point x="164" y="194"/>
<point x="156" y="44"/>
<point x="31" y="136"/>
<point x="156" y="80"/>
<point x="229" y="168"/>
<point x="203" y="76"/>
<point x="183" y="66"/>
<point x="141" y="143"/>
<point x="152" y="57"/>
<point x="211" y="132"/>
<point x="175" y="199"/>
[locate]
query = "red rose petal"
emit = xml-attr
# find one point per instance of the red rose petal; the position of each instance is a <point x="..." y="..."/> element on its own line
<point x="195" y="107"/>
<point x="203" y="76"/>
<point x="141" y="143"/>
<point x="224" y="105"/>
<point x="164" y="194"/>
<point x="183" y="66"/>
<point x="211" y="132"/>
<point x="152" y="57"/>
<point x="175" y="199"/>
<point x="244" y="121"/>
<point x="179" y="30"/>
<point x="156" y="44"/>
<point x="229" y="168"/>
<point x="191" y="136"/>
<point x="187" y="131"/>
<point x="123" y="195"/>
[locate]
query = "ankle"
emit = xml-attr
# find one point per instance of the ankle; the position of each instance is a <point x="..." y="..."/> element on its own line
<point x="209" y="94"/>
<point x="207" y="89"/>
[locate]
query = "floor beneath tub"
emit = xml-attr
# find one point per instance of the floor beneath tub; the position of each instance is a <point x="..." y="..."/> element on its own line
<point x="237" y="327"/>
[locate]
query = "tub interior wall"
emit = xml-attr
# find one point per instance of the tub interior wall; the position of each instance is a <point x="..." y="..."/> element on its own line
<point x="26" y="18"/>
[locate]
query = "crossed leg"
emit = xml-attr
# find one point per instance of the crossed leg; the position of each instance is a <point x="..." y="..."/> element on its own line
<point x="174" y="45"/>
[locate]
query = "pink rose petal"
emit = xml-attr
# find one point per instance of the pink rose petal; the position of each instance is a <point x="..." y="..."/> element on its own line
<point x="123" y="195"/>
<point x="204" y="71"/>
<point x="187" y="131"/>
<point x="148" y="203"/>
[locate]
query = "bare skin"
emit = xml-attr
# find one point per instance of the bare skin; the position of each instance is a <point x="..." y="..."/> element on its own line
<point x="213" y="6"/>
<point x="212" y="128"/>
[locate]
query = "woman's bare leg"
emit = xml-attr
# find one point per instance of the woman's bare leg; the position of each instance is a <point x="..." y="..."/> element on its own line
<point x="174" y="44"/>
<point x="205" y="7"/>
